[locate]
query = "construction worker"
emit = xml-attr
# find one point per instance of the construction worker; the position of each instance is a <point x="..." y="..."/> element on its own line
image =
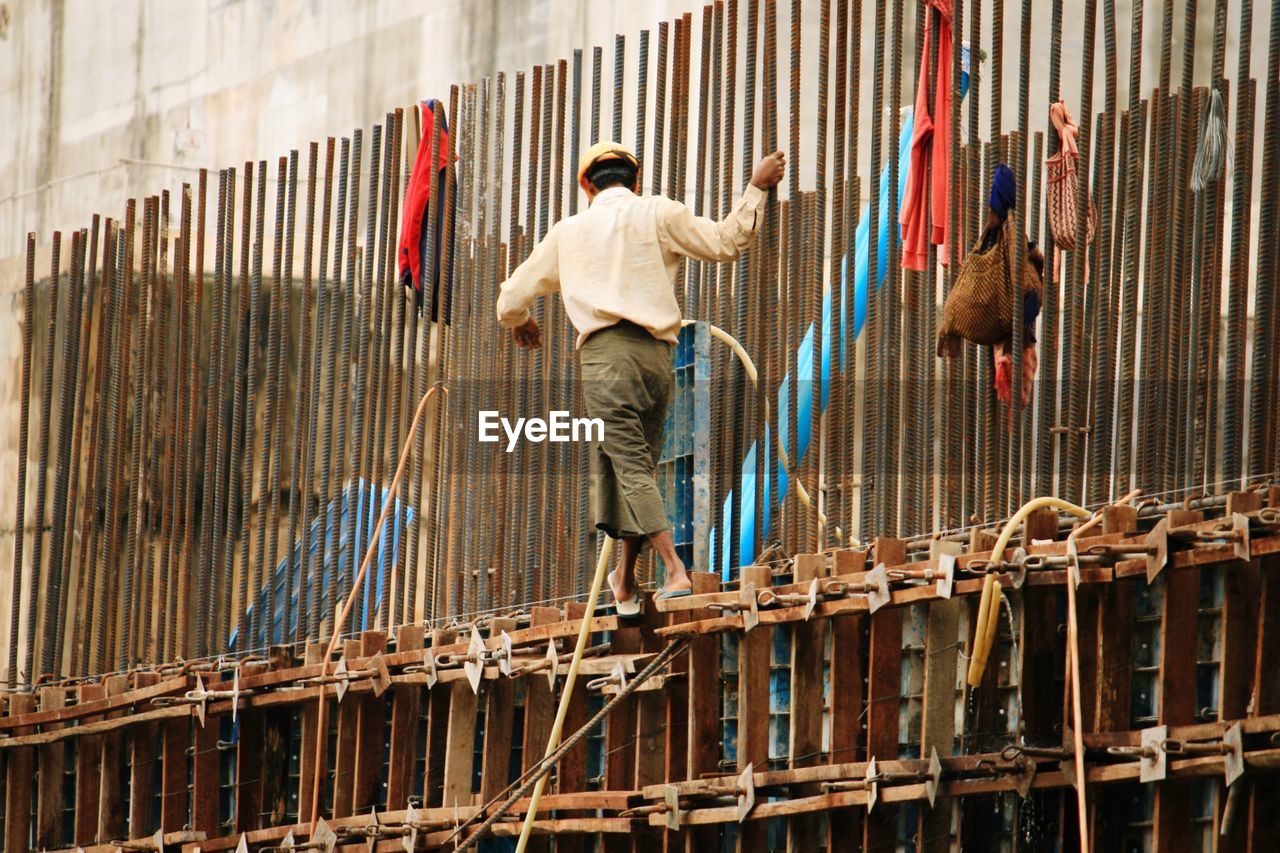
<point x="615" y="266"/>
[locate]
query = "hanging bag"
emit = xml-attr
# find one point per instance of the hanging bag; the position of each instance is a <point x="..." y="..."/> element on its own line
<point x="1061" y="170"/>
<point x="980" y="306"/>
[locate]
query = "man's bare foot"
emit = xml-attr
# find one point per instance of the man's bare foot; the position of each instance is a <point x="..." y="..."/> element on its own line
<point x="676" y="582"/>
<point x="621" y="592"/>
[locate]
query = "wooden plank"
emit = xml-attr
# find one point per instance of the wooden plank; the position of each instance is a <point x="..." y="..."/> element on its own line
<point x="437" y="729"/>
<point x="1177" y="690"/>
<point x="539" y="712"/>
<point x="309" y="759"/>
<point x="111" y="812"/>
<point x="499" y="718"/>
<point x="88" y="771"/>
<point x="277" y="724"/>
<point x="620" y="725"/>
<point x="20" y="770"/>
<point x="344" y="758"/>
<point x="175" y="736"/>
<point x="1264" y="799"/>
<point x="406" y="706"/>
<point x="128" y="697"/>
<point x="573" y="767"/>
<point x="938" y="716"/>
<point x="49" y="791"/>
<point x="248" y="790"/>
<point x="848" y="663"/>
<point x="460" y="743"/>
<point x="1042" y="655"/>
<point x="1114" y="672"/>
<point x="1040" y="646"/>
<point x="807" y="641"/>
<point x="653" y="736"/>
<point x="651" y="707"/>
<point x="983" y="718"/>
<point x="700" y="717"/>
<point x="884" y="699"/>
<point x="371" y="732"/>
<point x="754" y="658"/>
<point x="144" y="749"/>
<point x="206" y="784"/>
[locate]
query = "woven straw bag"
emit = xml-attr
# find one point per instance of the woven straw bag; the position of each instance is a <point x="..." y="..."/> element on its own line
<point x="980" y="306"/>
<point x="1061" y="170"/>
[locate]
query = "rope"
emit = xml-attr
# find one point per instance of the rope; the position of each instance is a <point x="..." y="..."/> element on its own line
<point x="1215" y="147"/>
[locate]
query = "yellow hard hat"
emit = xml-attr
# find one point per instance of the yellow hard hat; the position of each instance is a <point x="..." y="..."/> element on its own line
<point x="604" y="151"/>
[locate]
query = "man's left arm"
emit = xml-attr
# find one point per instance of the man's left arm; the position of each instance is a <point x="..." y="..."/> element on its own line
<point x="708" y="240"/>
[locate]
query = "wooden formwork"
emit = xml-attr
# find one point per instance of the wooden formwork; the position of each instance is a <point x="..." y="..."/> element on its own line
<point x="838" y="703"/>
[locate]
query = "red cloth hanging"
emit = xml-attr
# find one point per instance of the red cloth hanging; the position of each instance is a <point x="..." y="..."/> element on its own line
<point x="417" y="202"/>
<point x="930" y="153"/>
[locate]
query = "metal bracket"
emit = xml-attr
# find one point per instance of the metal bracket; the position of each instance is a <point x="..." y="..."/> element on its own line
<point x="427" y="666"/>
<point x="473" y="663"/>
<point x="1158" y="556"/>
<point x="1020" y="769"/>
<point x="1233" y="758"/>
<point x="200" y="696"/>
<point x="342" y="676"/>
<point x="746" y="791"/>
<point x="872" y="784"/>
<point x="671" y="798"/>
<point x="1151" y="755"/>
<point x="1240" y="525"/>
<point x="877" y="581"/>
<point x="934" y="781"/>
<point x="553" y="658"/>
<point x="617" y="679"/>
<point x="1230" y="747"/>
<point x="809" y="600"/>
<point x="944" y="574"/>
<point x="947" y="581"/>
<point x="504" y="654"/>
<point x="322" y="838"/>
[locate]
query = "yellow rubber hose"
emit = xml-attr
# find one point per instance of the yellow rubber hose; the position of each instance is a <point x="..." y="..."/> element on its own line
<point x="989" y="608"/>
<point x="606" y="554"/>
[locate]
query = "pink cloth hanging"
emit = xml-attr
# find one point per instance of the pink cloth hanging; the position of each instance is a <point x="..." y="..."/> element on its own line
<point x="930" y="153"/>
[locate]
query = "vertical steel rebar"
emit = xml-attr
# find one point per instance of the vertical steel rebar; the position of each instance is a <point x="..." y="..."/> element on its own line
<point x="247" y="617"/>
<point x="659" y="111"/>
<point x="299" y="487"/>
<point x="136" y="625"/>
<point x="24" y="431"/>
<point x="66" y="416"/>
<point x="1262" y="393"/>
<point x="1050" y="386"/>
<point x="870" y="519"/>
<point x="334" y="406"/>
<point x="104" y="482"/>
<point x="82" y="496"/>
<point x="391" y="610"/>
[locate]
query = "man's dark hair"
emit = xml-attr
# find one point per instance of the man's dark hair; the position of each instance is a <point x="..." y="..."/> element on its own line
<point x="612" y="173"/>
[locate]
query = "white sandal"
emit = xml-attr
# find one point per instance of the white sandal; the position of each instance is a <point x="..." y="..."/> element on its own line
<point x="629" y="608"/>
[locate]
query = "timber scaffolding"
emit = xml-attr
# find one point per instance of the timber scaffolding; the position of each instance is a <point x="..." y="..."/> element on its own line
<point x="203" y="456"/>
<point x="812" y="706"/>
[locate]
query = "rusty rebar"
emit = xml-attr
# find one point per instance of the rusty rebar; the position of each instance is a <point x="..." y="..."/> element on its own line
<point x="24" y="430"/>
<point x="308" y="359"/>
